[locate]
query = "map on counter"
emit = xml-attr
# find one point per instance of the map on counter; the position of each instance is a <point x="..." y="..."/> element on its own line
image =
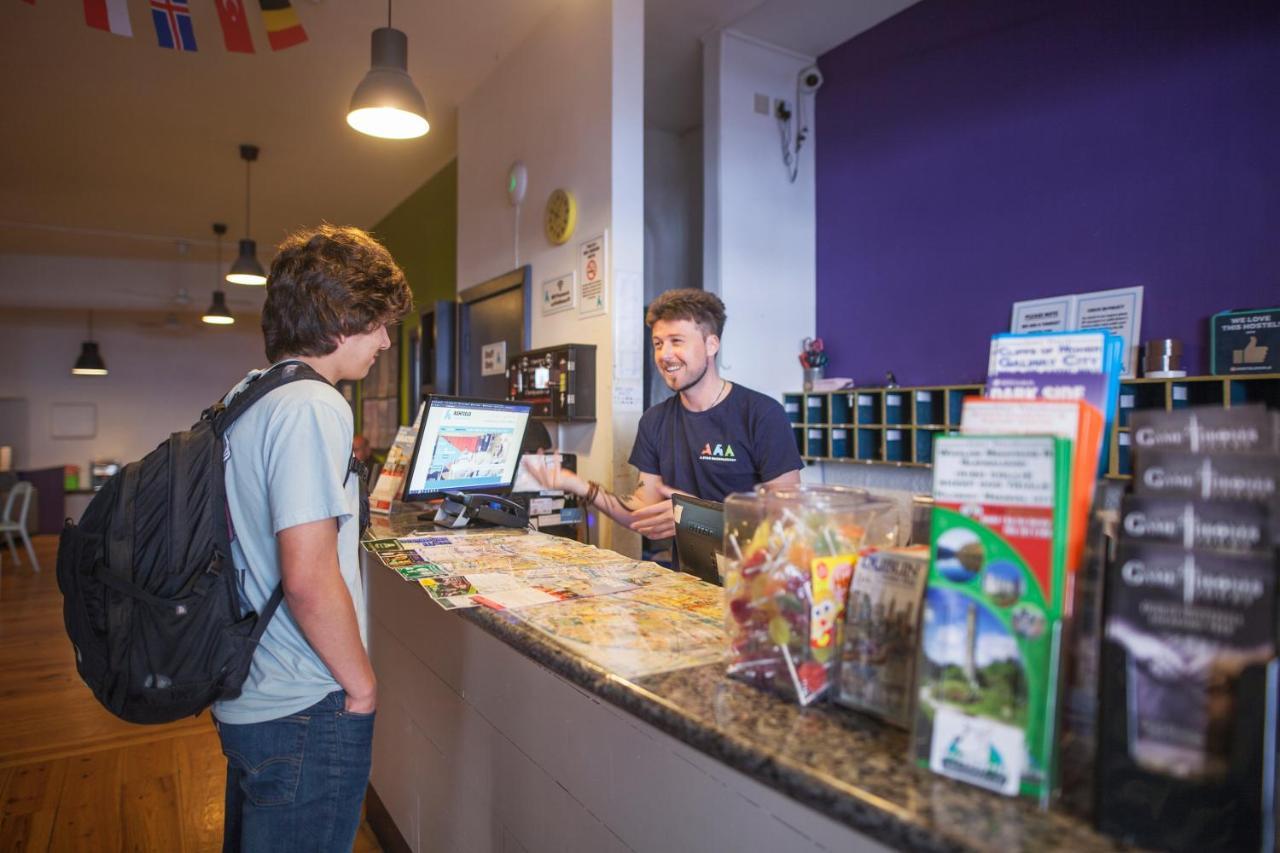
<point x="685" y="593"/>
<point x="647" y="619"/>
<point x="637" y="633"/>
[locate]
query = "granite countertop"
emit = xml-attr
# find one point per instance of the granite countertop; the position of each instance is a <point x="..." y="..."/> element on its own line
<point x="847" y="766"/>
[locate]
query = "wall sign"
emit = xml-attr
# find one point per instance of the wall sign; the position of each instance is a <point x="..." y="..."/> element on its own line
<point x="493" y="359"/>
<point x="559" y="294"/>
<point x="592" y="272"/>
<point x="1118" y="311"/>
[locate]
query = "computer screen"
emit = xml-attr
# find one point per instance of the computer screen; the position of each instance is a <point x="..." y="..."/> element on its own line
<point x="466" y="445"/>
<point x="699" y="536"/>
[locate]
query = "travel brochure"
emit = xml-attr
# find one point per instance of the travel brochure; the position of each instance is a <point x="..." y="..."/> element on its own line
<point x="632" y="617"/>
<point x="1013" y="494"/>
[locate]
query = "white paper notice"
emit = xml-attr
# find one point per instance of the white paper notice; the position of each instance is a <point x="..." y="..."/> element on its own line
<point x="627" y="397"/>
<point x="593" y="273"/>
<point x="1118" y="311"/>
<point x="559" y="294"/>
<point x="628" y="311"/>
<point x="1042" y="315"/>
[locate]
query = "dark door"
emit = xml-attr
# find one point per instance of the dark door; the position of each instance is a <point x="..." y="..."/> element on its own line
<point x="494" y="320"/>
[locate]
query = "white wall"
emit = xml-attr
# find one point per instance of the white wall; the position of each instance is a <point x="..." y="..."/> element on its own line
<point x="568" y="103"/>
<point x="759" y="229"/>
<point x="159" y="381"/>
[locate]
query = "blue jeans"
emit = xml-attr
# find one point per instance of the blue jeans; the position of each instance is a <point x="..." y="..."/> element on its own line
<point x="297" y="783"/>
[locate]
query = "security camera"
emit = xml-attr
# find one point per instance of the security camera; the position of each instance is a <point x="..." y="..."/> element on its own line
<point x="810" y="80"/>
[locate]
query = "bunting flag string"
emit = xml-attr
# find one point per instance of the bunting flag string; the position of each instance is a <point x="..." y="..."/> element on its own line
<point x="172" y="19"/>
<point x="175" y="29"/>
<point x="235" y="26"/>
<point x="283" y="28"/>
<point x="109" y="15"/>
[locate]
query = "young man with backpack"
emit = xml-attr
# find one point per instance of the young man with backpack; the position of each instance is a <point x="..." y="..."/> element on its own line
<point x="298" y="739"/>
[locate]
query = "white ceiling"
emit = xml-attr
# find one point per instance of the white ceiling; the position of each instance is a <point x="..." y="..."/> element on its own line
<point x="113" y="147"/>
<point x="674" y="31"/>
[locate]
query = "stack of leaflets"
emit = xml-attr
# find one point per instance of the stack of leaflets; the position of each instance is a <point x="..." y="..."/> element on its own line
<point x="1060" y="366"/>
<point x="390" y="483"/>
<point x="877" y="664"/>
<point x="993" y="612"/>
<point x="1188" y="697"/>
<point x="1075" y="420"/>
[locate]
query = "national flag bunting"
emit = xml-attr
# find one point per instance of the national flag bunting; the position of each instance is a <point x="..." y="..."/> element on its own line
<point x="109" y="15"/>
<point x="173" y="24"/>
<point x="235" y="26"/>
<point x="283" y="28"/>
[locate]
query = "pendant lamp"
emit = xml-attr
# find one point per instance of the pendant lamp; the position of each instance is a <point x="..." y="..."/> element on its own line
<point x="218" y="313"/>
<point x="386" y="103"/>
<point x="246" y="269"/>
<point x="90" y="362"/>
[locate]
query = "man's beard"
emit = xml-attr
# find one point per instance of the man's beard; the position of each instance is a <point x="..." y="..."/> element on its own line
<point x="689" y="385"/>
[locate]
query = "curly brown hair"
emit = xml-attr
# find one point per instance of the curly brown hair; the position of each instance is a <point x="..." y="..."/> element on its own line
<point x="703" y="308"/>
<point x="328" y="282"/>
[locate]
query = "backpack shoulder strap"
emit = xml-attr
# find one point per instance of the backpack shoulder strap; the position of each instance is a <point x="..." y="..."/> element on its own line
<point x="223" y="416"/>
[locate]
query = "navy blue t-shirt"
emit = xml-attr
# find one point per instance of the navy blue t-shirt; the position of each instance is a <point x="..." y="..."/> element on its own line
<point x="742" y="441"/>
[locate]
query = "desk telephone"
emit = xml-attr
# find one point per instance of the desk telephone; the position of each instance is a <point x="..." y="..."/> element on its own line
<point x="458" y="508"/>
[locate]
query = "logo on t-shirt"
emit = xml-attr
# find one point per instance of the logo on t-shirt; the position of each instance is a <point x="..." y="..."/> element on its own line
<point x="717" y="453"/>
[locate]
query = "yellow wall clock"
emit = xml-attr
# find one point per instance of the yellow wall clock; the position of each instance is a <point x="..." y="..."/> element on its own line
<point x="561" y="216"/>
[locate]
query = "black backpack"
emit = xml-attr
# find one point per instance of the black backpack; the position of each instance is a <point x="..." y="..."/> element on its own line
<point x="149" y="589"/>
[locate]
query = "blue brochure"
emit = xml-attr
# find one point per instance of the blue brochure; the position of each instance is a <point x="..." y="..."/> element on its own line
<point x="1083" y="365"/>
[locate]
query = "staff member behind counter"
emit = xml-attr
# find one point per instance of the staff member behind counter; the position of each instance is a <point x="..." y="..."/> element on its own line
<point x="712" y="438"/>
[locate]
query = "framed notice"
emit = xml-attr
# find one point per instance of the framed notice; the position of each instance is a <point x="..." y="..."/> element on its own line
<point x="593" y="265"/>
<point x="1118" y="311"/>
<point x="1042" y="315"/>
<point x="559" y="294"/>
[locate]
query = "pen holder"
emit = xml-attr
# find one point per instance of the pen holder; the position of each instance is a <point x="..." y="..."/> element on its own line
<point x="811" y="375"/>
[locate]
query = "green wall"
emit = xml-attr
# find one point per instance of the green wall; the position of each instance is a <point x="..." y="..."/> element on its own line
<point x="422" y="235"/>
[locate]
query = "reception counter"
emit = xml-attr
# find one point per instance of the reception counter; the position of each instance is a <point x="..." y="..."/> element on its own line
<point x="492" y="736"/>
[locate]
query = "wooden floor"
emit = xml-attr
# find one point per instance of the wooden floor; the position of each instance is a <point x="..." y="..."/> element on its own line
<point x="72" y="776"/>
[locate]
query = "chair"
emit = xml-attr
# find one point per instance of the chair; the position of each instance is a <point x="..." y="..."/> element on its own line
<point x="16" y="522"/>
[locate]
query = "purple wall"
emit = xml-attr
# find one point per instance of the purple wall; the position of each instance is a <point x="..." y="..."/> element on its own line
<point x="971" y="154"/>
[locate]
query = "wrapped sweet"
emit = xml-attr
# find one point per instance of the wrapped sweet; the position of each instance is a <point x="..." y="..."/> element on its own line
<point x="789" y="558"/>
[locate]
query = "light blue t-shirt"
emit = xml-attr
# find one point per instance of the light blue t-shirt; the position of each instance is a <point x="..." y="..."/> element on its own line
<point x="286" y="463"/>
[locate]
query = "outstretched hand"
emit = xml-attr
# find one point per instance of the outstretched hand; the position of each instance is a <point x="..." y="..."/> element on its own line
<point x="656" y="521"/>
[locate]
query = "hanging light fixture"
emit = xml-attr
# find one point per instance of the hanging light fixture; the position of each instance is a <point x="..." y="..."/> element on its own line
<point x="386" y="103"/>
<point x="246" y="269"/>
<point x="218" y="313"/>
<point x="90" y="362"/>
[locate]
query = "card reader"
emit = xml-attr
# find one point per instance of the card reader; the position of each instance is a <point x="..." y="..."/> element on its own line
<point x="457" y="509"/>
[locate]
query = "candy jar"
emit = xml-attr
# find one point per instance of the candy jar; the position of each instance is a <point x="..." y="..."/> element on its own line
<point x="789" y="557"/>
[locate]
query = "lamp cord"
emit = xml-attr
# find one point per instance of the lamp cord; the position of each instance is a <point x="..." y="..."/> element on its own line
<point x="248" y="228"/>
<point x="388" y="14"/>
